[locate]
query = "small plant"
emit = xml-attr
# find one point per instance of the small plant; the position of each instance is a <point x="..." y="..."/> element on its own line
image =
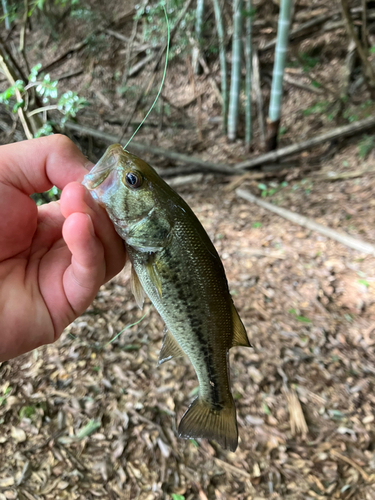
<point x="269" y="191"/>
<point x="298" y="317"/>
<point x="366" y="145"/>
<point x="68" y="103"/>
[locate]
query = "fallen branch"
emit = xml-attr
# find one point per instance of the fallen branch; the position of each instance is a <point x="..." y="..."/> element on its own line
<point x="361" y="52"/>
<point x="336" y="133"/>
<point x="311" y="23"/>
<point x="303" y="221"/>
<point x="343" y="176"/>
<point x="217" y="168"/>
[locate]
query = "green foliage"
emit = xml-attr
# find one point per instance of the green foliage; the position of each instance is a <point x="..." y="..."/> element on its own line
<point x="6" y="393"/>
<point x="364" y="282"/>
<point x="68" y="103"/>
<point x="272" y="189"/>
<point x="298" y="317"/>
<point x="154" y="24"/>
<point x="174" y="496"/>
<point x="26" y="412"/>
<point x="366" y="145"/>
<point x="318" y="107"/>
<point x="308" y="62"/>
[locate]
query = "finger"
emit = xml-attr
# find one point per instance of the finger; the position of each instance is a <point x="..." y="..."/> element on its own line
<point x="36" y="165"/>
<point x="76" y="199"/>
<point x="86" y="273"/>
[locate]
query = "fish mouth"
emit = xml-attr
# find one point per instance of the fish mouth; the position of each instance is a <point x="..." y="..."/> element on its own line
<point x="103" y="168"/>
<point x="103" y="177"/>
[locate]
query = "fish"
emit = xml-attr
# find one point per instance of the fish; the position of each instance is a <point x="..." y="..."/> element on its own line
<point x="176" y="265"/>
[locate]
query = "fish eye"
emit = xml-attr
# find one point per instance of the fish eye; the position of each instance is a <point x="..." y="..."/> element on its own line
<point x="133" y="180"/>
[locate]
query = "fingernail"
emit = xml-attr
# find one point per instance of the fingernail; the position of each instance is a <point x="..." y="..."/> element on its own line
<point x="88" y="165"/>
<point x="91" y="225"/>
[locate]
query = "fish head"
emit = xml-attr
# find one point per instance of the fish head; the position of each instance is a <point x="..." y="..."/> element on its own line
<point x="126" y="186"/>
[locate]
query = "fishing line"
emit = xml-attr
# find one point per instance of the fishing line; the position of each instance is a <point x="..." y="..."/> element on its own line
<point x="162" y="82"/>
<point x="126" y="328"/>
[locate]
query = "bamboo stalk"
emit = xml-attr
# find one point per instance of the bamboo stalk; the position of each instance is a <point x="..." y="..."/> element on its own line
<point x="5" y="11"/>
<point x="236" y="71"/>
<point x="198" y="35"/>
<point x="274" y="112"/>
<point x="223" y="62"/>
<point x="248" y="53"/>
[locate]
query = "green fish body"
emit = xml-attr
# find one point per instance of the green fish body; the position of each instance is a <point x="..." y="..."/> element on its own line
<point x="175" y="263"/>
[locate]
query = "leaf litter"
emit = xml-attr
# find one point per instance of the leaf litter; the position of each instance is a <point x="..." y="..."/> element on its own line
<point x="86" y="419"/>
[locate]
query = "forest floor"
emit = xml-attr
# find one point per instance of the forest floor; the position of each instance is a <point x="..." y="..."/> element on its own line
<point x="82" y="419"/>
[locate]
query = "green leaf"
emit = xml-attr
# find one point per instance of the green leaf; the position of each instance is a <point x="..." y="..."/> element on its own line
<point x="177" y="497"/>
<point x="262" y="187"/>
<point x="18" y="105"/>
<point x="303" y="319"/>
<point x="364" y="282"/>
<point x="88" y="429"/>
<point x="265" y="408"/>
<point x="43" y="131"/>
<point x="257" y="224"/>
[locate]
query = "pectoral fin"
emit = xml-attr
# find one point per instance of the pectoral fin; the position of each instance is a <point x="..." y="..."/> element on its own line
<point x="169" y="349"/>
<point x="239" y="332"/>
<point x="137" y="289"/>
<point x="154" y="274"/>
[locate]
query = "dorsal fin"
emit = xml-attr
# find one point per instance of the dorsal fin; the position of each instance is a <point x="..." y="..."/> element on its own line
<point x="137" y="289"/>
<point x="170" y="348"/>
<point x="239" y="332"/>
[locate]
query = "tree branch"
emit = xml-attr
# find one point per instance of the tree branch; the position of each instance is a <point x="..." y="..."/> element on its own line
<point x="345" y="239"/>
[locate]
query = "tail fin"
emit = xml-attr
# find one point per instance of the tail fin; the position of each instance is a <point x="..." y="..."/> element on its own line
<point x="202" y="421"/>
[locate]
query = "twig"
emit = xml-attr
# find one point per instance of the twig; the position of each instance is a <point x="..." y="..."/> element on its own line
<point x="361" y="52"/>
<point x="184" y="180"/>
<point x="259" y="98"/>
<point x="218" y="168"/>
<point x="296" y="416"/>
<point x="211" y="79"/>
<point x="336" y="133"/>
<point x="344" y="175"/>
<point x="118" y="36"/>
<point x="311" y="23"/>
<point x="137" y="67"/>
<point x="20" y="111"/>
<point x="302" y="86"/>
<point x="355" y="466"/>
<point x="342" y="238"/>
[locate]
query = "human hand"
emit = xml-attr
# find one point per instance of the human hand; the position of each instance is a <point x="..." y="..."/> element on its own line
<point x="53" y="258"/>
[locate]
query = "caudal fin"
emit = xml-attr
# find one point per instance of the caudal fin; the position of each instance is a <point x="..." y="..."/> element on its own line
<point x="202" y="421"/>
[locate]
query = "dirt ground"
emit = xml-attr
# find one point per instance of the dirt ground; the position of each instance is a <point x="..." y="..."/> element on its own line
<point x="84" y="419"/>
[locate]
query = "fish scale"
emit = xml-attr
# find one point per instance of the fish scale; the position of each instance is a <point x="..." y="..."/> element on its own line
<point x="177" y="266"/>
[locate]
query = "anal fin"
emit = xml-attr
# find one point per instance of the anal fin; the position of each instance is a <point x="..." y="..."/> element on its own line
<point x="137" y="289"/>
<point x="239" y="332"/>
<point x="169" y="349"/>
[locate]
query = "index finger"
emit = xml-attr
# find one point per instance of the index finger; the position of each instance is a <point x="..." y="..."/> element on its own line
<point x="36" y="165"/>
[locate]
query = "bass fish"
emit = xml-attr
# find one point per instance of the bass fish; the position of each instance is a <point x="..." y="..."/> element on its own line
<point x="175" y="263"/>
